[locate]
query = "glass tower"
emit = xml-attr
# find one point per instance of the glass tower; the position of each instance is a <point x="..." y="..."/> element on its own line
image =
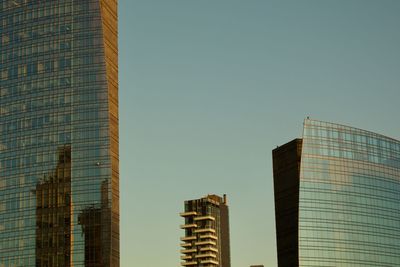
<point x="59" y="178"/>
<point x="337" y="198"/>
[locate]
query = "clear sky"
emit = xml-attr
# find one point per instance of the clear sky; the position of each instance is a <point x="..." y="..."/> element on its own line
<point x="209" y="87"/>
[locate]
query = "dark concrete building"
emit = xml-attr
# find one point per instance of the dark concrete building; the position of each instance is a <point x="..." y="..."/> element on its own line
<point x="336" y="198"/>
<point x="286" y="165"/>
<point x="206" y="240"/>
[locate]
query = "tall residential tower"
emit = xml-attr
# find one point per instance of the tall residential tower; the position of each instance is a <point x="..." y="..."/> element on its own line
<point x="337" y="198"/>
<point x="206" y="240"/>
<point x="59" y="178"/>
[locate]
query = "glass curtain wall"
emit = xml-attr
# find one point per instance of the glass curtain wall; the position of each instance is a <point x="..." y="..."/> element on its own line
<point x="349" y="213"/>
<point x="58" y="182"/>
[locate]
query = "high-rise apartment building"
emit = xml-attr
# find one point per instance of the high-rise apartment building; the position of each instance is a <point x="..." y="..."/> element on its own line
<point x="206" y="240"/>
<point x="59" y="178"/>
<point x="337" y="198"/>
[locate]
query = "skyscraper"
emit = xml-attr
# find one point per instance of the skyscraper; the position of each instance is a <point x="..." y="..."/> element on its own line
<point x="206" y="240"/>
<point x="337" y="198"/>
<point x="59" y="178"/>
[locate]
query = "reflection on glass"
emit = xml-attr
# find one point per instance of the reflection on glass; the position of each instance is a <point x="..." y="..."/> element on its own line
<point x="95" y="223"/>
<point x="349" y="197"/>
<point x="53" y="214"/>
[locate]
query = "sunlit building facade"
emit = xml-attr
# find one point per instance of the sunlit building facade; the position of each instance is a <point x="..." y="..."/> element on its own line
<point x="59" y="177"/>
<point x="337" y="198"/>
<point x="206" y="240"/>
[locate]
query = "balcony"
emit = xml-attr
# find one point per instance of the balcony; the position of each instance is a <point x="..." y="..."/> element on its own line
<point x="188" y="238"/>
<point x="185" y="245"/>
<point x="209" y="262"/>
<point x="188" y="263"/>
<point x="188" y="251"/>
<point x="205" y="230"/>
<point x="188" y="213"/>
<point x="208" y="242"/>
<point x="208" y="236"/>
<point x="191" y="225"/>
<point x="206" y="255"/>
<point x="201" y="218"/>
<point x="209" y="248"/>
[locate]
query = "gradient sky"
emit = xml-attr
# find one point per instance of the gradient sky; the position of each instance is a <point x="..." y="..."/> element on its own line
<point x="209" y="87"/>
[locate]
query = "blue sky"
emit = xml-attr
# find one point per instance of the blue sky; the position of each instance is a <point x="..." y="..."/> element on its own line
<point x="208" y="88"/>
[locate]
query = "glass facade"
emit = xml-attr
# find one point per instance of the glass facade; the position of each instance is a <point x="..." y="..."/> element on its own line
<point x="59" y="184"/>
<point x="349" y="203"/>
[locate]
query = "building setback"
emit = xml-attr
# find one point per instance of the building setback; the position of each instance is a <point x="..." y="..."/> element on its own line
<point x="206" y="240"/>
<point x="59" y="177"/>
<point x="337" y="198"/>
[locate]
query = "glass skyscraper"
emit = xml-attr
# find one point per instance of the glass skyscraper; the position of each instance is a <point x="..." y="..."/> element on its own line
<point x="337" y="198"/>
<point x="59" y="178"/>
